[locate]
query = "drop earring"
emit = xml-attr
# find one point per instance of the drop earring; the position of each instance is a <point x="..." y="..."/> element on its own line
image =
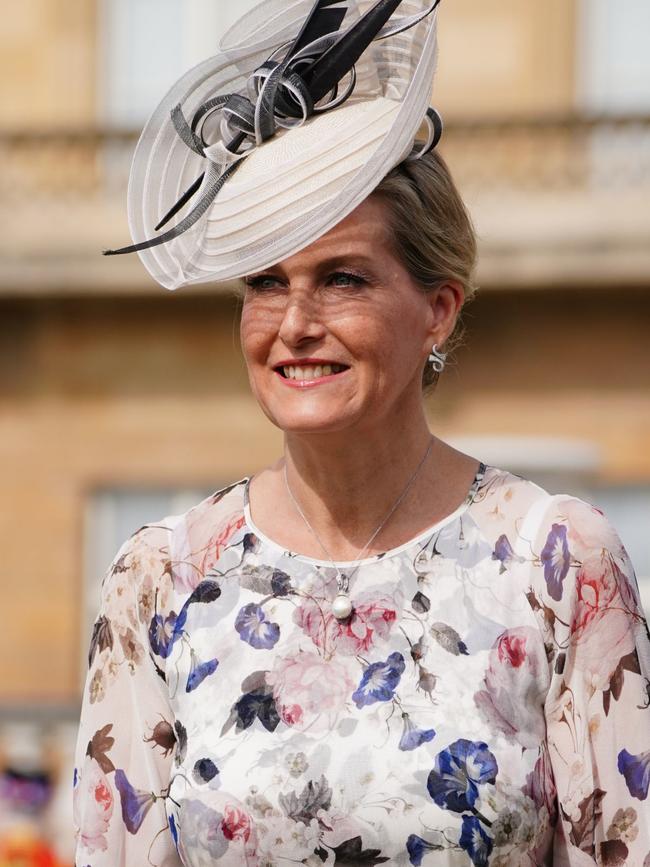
<point x="437" y="359"/>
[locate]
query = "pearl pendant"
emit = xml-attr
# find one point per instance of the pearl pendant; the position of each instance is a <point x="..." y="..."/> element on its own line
<point x="342" y="606"/>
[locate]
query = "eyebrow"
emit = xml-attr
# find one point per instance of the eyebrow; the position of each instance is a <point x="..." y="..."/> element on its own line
<point x="332" y="262"/>
<point x="340" y="258"/>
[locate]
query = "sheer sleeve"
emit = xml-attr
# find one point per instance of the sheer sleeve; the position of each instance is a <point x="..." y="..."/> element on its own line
<point x="126" y="739"/>
<point x="598" y="705"/>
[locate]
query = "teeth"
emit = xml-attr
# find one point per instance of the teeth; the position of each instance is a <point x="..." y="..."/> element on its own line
<point x="312" y="371"/>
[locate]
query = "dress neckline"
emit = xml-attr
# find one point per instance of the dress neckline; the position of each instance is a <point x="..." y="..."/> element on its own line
<point x="374" y="558"/>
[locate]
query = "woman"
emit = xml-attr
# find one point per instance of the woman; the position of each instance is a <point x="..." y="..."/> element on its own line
<point x="379" y="649"/>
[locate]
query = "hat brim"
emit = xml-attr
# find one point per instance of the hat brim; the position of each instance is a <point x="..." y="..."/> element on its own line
<point x="291" y="189"/>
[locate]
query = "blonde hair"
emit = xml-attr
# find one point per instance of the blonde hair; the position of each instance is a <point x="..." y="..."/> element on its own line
<point x="432" y="233"/>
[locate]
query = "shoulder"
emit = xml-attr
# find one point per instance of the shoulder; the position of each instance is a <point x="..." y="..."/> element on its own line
<point x="205" y="534"/>
<point x="507" y="494"/>
<point x="574" y="569"/>
<point x="510" y="509"/>
<point x="582" y="584"/>
<point x="556" y="537"/>
<point x="156" y="550"/>
<point x="137" y="579"/>
<point x="154" y="568"/>
<point x="536" y="513"/>
<point x="584" y="569"/>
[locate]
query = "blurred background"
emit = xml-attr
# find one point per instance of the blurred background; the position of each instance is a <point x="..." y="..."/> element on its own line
<point x="121" y="402"/>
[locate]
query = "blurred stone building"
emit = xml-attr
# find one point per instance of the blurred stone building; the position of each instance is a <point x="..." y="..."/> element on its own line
<point x="121" y="402"/>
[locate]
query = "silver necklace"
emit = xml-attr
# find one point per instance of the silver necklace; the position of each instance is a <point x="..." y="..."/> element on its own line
<point x="342" y="605"/>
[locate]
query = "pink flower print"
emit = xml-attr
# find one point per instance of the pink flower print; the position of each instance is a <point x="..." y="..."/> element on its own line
<point x="218" y="825"/>
<point x="92" y="804"/>
<point x="511" y="649"/>
<point x="310" y="690"/>
<point x="236" y="824"/>
<point x="201" y="543"/>
<point x="225" y="531"/>
<point x="596" y="591"/>
<point x="515" y="686"/>
<point x="371" y="620"/>
<point x="588" y="528"/>
<point x="602" y="624"/>
<point x="318" y="623"/>
<point x="291" y="714"/>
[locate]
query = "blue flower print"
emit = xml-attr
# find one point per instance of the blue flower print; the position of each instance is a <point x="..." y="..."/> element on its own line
<point x="458" y="771"/>
<point x="636" y="770"/>
<point x="379" y="681"/>
<point x="199" y="671"/>
<point x="258" y="704"/>
<point x="255" y="629"/>
<point x="413" y="737"/>
<point x="174" y="832"/>
<point x="135" y="803"/>
<point x="475" y="841"/>
<point x="164" y="632"/>
<point x="504" y="553"/>
<point x="417" y="846"/>
<point x="204" y="770"/>
<point x="206" y="591"/>
<point x="556" y="559"/>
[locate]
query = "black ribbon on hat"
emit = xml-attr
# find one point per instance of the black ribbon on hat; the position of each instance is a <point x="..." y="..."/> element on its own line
<point x="284" y="93"/>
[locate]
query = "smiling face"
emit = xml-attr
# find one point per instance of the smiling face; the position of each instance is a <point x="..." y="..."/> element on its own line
<point x="346" y="300"/>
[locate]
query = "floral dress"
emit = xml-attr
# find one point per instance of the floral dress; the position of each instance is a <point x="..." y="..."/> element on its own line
<point x="486" y="703"/>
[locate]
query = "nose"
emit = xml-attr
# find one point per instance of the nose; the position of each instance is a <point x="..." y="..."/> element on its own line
<point x="301" y="319"/>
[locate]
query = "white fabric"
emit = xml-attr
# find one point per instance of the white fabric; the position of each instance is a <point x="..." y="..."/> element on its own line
<point x="486" y="705"/>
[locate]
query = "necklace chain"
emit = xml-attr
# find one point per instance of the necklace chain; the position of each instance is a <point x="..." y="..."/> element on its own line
<point x="343" y="579"/>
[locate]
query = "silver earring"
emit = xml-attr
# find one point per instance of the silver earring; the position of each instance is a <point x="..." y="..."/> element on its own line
<point x="437" y="359"/>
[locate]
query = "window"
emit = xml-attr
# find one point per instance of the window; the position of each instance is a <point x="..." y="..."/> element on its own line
<point x="146" y="45"/>
<point x="613" y="58"/>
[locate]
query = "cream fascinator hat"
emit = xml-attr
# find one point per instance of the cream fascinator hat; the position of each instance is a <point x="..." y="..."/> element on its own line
<point x="263" y="148"/>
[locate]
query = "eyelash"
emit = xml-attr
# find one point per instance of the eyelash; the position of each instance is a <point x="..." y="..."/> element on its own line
<point x="256" y="282"/>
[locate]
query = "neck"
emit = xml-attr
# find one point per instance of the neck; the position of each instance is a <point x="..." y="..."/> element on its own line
<point x="346" y="485"/>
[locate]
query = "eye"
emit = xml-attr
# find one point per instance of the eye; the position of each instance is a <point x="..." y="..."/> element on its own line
<point x="260" y="282"/>
<point x="347" y="278"/>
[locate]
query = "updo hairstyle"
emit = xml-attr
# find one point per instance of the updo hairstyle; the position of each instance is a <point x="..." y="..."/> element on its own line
<point x="432" y="233"/>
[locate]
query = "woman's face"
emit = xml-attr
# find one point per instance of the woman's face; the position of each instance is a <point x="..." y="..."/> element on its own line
<point x="344" y="300"/>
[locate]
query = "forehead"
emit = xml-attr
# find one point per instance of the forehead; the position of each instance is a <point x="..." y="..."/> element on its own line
<point x="363" y="232"/>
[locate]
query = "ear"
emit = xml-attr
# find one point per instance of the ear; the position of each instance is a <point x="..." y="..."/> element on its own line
<point x="444" y="305"/>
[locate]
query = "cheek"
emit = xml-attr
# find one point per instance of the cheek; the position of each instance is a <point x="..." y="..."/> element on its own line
<point x="394" y="346"/>
<point x="384" y="339"/>
<point x="252" y="334"/>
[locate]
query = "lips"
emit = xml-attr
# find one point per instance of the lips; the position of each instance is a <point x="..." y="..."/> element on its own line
<point x="324" y="376"/>
<point x="310" y="371"/>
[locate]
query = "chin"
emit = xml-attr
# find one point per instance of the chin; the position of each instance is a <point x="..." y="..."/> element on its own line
<point x="309" y="420"/>
<point x="313" y="425"/>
